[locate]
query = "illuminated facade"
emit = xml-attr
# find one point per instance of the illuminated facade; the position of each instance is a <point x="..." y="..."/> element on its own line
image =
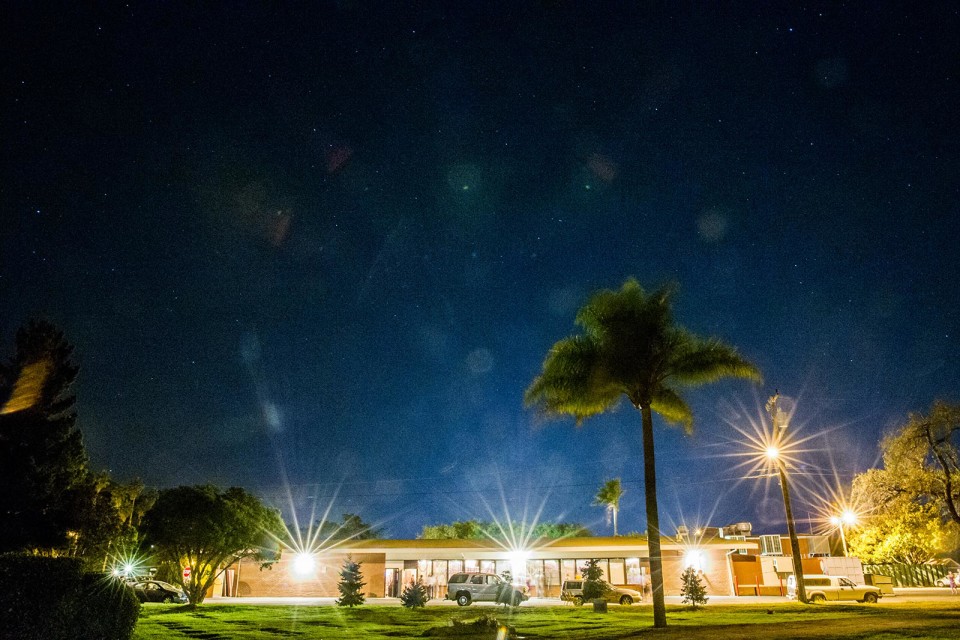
<point x="389" y="565"/>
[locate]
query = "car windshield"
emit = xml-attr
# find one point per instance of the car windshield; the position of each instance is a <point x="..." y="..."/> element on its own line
<point x="847" y="583"/>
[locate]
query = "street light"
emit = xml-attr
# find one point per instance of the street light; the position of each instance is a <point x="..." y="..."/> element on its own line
<point x="848" y="517"/>
<point x="773" y="454"/>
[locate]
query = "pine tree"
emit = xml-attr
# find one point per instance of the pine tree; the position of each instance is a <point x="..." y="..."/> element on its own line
<point x="351" y="584"/>
<point x="46" y="481"/>
<point x="414" y="595"/>
<point x="693" y="591"/>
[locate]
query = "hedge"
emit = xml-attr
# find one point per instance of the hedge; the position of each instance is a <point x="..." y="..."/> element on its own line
<point x="52" y="599"/>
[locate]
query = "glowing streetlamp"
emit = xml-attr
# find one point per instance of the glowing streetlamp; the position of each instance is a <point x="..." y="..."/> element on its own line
<point x="848" y="517"/>
<point x="780" y="422"/>
<point x="304" y="564"/>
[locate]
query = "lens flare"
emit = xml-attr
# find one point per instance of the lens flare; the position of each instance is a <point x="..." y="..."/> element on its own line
<point x="304" y="564"/>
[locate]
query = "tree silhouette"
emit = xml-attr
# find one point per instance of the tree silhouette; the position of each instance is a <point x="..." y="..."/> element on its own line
<point x="45" y="487"/>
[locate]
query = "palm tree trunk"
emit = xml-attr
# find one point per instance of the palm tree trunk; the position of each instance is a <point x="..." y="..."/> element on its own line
<point x="653" y="519"/>
<point x="615" y="521"/>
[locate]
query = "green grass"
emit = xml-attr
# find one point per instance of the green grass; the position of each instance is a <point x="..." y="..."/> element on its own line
<point x="748" y="622"/>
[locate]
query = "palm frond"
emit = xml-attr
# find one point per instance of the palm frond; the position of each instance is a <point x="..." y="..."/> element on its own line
<point x="627" y="316"/>
<point x="672" y="408"/>
<point x="572" y="382"/>
<point x="697" y="361"/>
<point x="609" y="494"/>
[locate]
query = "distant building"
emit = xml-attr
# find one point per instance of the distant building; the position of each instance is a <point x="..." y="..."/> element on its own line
<point x="762" y="564"/>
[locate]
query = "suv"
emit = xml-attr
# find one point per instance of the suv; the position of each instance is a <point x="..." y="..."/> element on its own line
<point x="572" y="591"/>
<point x="482" y="587"/>
<point x="821" y="588"/>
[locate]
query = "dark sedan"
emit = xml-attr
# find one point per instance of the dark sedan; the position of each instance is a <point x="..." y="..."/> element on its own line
<point x="159" y="591"/>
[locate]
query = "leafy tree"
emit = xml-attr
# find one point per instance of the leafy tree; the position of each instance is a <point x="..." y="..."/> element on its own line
<point x="899" y="525"/>
<point x="414" y="595"/>
<point x="351" y="527"/>
<point x="459" y="530"/>
<point x="903" y="532"/>
<point x="480" y="530"/>
<point x="45" y="486"/>
<point x="910" y="503"/>
<point x="205" y="529"/>
<point x="108" y="529"/>
<point x="930" y="444"/>
<point x="609" y="496"/>
<point x="630" y="346"/>
<point x="593" y="584"/>
<point x="693" y="591"/>
<point x="351" y="584"/>
<point x="554" y="530"/>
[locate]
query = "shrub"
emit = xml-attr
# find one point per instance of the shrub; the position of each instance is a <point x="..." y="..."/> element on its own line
<point x="693" y="591"/>
<point x="105" y="608"/>
<point x="414" y="595"/>
<point x="51" y="599"/>
<point x="593" y="584"/>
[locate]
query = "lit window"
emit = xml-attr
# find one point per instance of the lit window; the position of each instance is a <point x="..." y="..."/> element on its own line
<point x="770" y="546"/>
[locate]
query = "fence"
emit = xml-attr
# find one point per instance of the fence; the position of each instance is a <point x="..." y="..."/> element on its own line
<point x="909" y="575"/>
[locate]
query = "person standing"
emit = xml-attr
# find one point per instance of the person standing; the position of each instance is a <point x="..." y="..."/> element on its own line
<point x="952" y="581"/>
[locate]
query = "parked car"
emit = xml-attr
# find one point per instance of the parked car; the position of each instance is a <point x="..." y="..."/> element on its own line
<point x="572" y="591"/>
<point x="945" y="581"/>
<point x="821" y="588"/>
<point x="465" y="588"/>
<point x="159" y="591"/>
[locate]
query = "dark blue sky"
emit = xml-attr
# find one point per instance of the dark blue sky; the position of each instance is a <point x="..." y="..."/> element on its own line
<point x="327" y="247"/>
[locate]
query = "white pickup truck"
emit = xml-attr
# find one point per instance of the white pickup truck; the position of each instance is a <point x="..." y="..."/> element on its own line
<point x="821" y="588"/>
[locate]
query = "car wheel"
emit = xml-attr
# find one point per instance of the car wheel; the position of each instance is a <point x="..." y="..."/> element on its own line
<point x="626" y="600"/>
<point x="578" y="601"/>
<point x="818" y="598"/>
<point x="870" y="598"/>
<point x="463" y="599"/>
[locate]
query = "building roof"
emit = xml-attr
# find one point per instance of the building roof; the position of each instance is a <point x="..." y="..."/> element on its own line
<point x="620" y="546"/>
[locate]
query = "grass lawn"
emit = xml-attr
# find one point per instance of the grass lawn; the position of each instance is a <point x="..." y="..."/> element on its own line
<point x="748" y="622"/>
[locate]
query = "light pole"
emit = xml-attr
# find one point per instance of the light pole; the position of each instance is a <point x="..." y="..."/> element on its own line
<point x="847" y="517"/>
<point x="773" y="454"/>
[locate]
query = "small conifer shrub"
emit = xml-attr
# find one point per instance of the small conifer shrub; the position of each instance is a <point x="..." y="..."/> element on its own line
<point x="414" y="595"/>
<point x="693" y="591"/>
<point x="351" y="584"/>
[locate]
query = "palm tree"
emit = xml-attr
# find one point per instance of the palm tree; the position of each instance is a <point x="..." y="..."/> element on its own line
<point x="630" y="346"/>
<point x="609" y="497"/>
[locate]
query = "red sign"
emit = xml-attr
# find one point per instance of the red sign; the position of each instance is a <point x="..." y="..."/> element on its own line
<point x="186" y="573"/>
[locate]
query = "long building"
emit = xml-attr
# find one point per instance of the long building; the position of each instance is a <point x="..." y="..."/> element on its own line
<point x="388" y="565"/>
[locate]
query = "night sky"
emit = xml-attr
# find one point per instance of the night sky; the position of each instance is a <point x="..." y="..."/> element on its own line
<point x="322" y="249"/>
